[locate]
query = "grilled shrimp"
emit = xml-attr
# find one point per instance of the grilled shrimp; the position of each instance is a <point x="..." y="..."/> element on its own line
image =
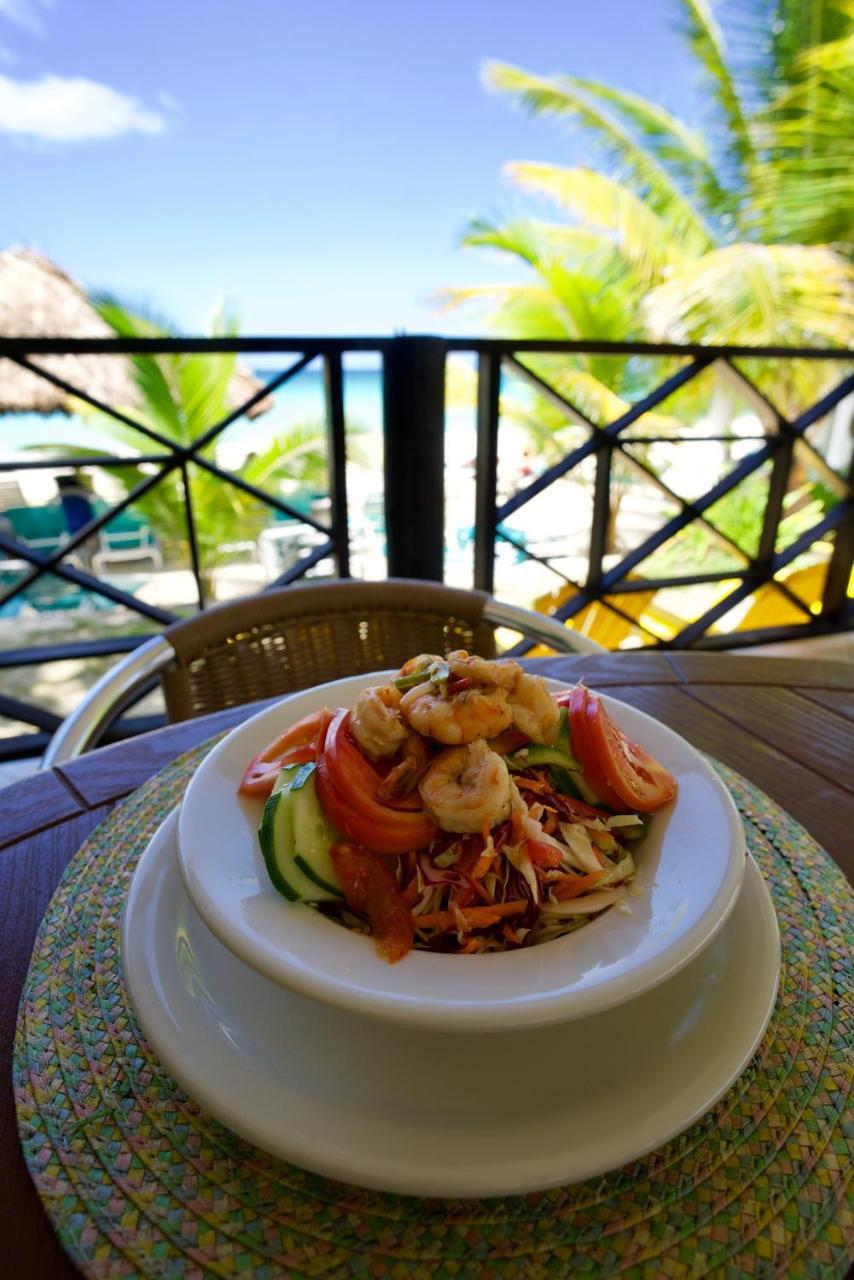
<point x="457" y="717"/>
<point x="502" y="673"/>
<point x="466" y="788"/>
<point x="376" y="722"/>
<point x="534" y="710"/>
<point x="479" y="709"/>
<point x="407" y="773"/>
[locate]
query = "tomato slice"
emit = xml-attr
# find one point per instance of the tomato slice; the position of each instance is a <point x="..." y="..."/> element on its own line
<point x="347" y="788"/>
<point x="295" y="746"/>
<point x="356" y="825"/>
<point x="372" y="890"/>
<point x="585" y="749"/>
<point x="637" y="779"/>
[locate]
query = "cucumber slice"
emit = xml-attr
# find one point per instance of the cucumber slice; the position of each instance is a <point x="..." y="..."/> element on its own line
<point x="281" y="845"/>
<point x="276" y="837"/>
<point x="588" y="795"/>
<point x="565" y="782"/>
<point x="313" y="835"/>
<point x="538" y="753"/>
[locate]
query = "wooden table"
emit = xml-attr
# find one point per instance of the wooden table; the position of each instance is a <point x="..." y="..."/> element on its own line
<point x="786" y="724"/>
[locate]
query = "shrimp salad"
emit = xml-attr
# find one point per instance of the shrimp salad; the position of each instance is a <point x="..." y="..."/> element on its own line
<point x="461" y="807"/>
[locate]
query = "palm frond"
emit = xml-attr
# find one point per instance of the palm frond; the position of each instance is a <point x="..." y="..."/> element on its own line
<point x="757" y="295"/>
<point x="532" y="240"/>
<point x="296" y="455"/>
<point x="150" y="373"/>
<point x="558" y="97"/>
<point x="803" y="199"/>
<point x="804" y="185"/>
<point x="643" y="237"/>
<point x="510" y="308"/>
<point x="833" y="55"/>
<point x="680" y="148"/>
<point x="707" y="41"/>
<point x="202" y="383"/>
<point x="799" y="26"/>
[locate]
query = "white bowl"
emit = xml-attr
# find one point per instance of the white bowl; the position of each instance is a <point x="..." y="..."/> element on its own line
<point x="690" y="868"/>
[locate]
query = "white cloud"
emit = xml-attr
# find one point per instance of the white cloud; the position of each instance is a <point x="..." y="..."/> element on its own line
<point x="71" y="109"/>
<point x="26" y="13"/>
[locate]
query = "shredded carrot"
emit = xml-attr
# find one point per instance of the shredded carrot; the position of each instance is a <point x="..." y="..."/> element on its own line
<point x="474" y="916"/>
<point x="510" y="934"/>
<point x="518" y="826"/>
<point x="482" y="865"/>
<point x="482" y="892"/>
<point x="550" y="823"/>
<point x="473" y="944"/>
<point x="570" y="886"/>
<point x="534" y="784"/>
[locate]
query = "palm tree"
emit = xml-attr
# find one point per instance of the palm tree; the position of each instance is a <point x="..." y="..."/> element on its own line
<point x="736" y="235"/>
<point x="739" y="235"/>
<point x="181" y="397"/>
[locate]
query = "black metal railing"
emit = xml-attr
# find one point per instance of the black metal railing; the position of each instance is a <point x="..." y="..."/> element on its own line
<point x="604" y="441"/>
<point x="413" y="378"/>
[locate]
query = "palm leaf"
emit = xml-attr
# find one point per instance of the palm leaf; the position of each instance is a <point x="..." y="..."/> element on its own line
<point x="833" y="55"/>
<point x="804" y="187"/>
<point x="161" y="410"/>
<point x="297" y="456"/>
<point x="603" y="202"/>
<point x="511" y="308"/>
<point x="799" y="26"/>
<point x="757" y="295"/>
<point x="707" y="41"/>
<point x="202" y="383"/>
<point x="558" y="97"/>
<point x="681" y="149"/>
<point x="534" y="241"/>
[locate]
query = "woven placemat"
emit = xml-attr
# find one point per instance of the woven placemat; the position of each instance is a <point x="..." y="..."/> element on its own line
<point x="138" y="1181"/>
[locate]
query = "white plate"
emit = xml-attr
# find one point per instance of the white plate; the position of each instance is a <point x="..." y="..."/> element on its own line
<point x="429" y="1114"/>
<point x="690" y="868"/>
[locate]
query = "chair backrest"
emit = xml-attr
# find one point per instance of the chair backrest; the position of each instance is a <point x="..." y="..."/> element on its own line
<point x="123" y="522"/>
<point x="771" y="608"/>
<point x="596" y="620"/>
<point x="285" y="640"/>
<point x="37" y="524"/>
<point x="288" y="639"/>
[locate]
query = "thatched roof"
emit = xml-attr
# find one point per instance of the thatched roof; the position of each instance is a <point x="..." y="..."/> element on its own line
<point x="39" y="300"/>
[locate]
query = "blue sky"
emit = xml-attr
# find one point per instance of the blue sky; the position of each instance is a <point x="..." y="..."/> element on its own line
<point x="313" y="161"/>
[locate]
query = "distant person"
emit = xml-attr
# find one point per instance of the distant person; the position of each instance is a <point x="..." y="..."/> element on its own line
<point x="75" y="494"/>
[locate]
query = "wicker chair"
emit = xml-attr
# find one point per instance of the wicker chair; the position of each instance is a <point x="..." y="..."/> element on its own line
<point x="285" y="640"/>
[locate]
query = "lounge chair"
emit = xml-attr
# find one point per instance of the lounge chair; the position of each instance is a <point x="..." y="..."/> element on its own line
<point x="125" y="537"/>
